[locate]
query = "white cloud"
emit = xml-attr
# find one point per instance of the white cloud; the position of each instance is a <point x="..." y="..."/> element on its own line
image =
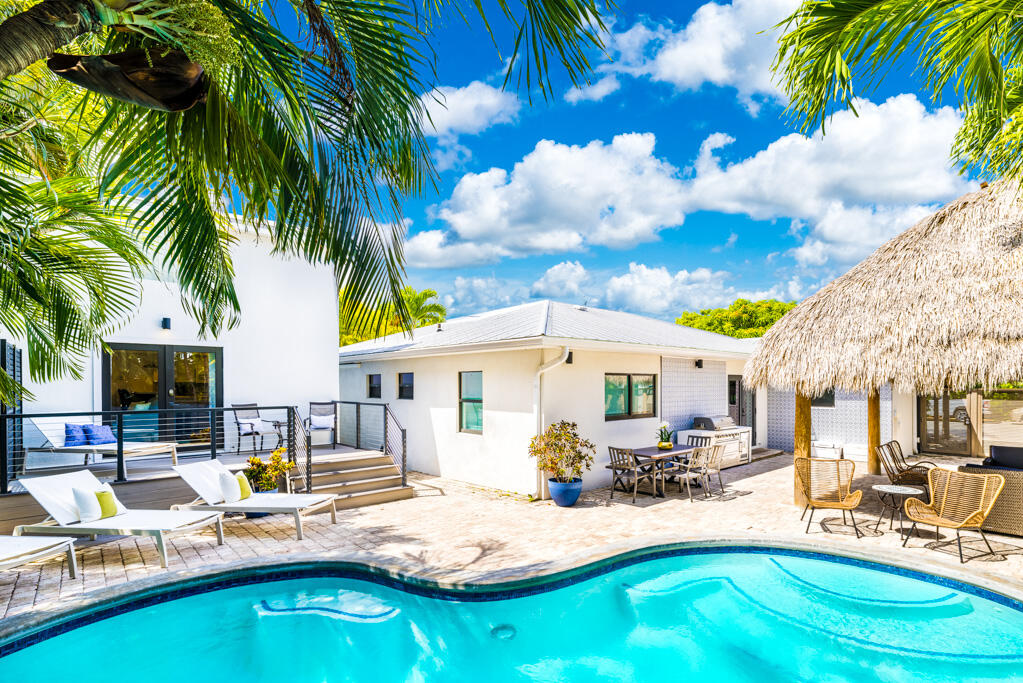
<point x="431" y="249"/>
<point x="727" y="45"/>
<point x="473" y="294"/>
<point x="559" y="198"/>
<point x="729" y="243"/>
<point x="869" y="178"/>
<point x="468" y="110"/>
<point x="657" y="291"/>
<point x="562" y="280"/>
<point x="593" y="92"/>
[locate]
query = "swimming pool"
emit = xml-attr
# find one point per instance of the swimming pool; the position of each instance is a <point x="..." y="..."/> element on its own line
<point x="724" y="614"/>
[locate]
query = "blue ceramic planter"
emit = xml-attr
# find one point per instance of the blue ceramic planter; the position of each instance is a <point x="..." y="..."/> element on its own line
<point x="565" y="495"/>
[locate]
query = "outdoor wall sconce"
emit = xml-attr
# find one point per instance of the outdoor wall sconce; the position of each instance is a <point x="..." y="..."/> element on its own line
<point x="699" y="363"/>
<point x="165" y="323"/>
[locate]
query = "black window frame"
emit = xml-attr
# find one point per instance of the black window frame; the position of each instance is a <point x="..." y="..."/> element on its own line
<point x="733" y="393"/>
<point x="411" y="385"/>
<point x="462" y="399"/>
<point x="379" y="386"/>
<point x="825" y="400"/>
<point x="629" y="415"/>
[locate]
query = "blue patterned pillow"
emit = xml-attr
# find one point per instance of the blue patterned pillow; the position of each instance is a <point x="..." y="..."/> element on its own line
<point x="99" y="434"/>
<point x="73" y="435"/>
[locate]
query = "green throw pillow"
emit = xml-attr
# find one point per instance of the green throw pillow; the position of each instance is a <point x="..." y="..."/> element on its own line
<point x="107" y="504"/>
<point x="244" y="485"/>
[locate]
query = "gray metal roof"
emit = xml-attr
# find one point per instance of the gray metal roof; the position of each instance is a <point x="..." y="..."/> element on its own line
<point x="551" y="320"/>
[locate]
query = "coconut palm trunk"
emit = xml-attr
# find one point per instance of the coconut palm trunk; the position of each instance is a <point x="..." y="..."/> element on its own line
<point x="42" y="29"/>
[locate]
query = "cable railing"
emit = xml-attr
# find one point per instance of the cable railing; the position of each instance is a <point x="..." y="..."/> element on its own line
<point x="134" y="444"/>
<point x="373" y="426"/>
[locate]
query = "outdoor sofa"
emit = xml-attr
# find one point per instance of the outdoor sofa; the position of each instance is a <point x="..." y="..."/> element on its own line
<point x="1006" y="517"/>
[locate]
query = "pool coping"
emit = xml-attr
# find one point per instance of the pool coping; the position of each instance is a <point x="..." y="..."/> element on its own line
<point x="445" y="583"/>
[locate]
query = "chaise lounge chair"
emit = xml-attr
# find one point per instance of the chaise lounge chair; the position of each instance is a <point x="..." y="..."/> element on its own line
<point x="54" y="494"/>
<point x="18" y="550"/>
<point x="204" y="478"/>
<point x="131" y="449"/>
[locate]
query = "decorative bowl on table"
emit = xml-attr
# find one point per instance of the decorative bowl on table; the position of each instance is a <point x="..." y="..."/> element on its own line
<point x="664" y="445"/>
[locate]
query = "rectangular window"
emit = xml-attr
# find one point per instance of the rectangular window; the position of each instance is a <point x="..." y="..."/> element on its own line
<point x="470" y="402"/>
<point x="405" y="384"/>
<point x="373" y="386"/>
<point x="825" y="400"/>
<point x="733" y="392"/>
<point x="628" y="396"/>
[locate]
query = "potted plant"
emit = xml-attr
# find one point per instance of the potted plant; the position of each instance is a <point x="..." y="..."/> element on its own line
<point x="560" y="451"/>
<point x="268" y="476"/>
<point x="664" y="437"/>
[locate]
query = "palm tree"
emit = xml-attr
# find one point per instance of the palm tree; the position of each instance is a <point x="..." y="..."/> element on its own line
<point x="836" y="50"/>
<point x="185" y="111"/>
<point x="421" y="309"/>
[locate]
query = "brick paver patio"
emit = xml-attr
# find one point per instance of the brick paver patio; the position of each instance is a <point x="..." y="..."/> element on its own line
<point x="450" y="527"/>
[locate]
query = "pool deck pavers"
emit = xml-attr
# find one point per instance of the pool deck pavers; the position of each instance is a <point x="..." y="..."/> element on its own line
<point x="453" y="530"/>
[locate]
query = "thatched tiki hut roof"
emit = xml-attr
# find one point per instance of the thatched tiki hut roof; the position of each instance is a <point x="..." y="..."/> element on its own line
<point x="938" y="307"/>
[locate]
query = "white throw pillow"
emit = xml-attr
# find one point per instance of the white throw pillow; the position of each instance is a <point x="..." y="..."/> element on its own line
<point x="257" y="426"/>
<point x="87" y="504"/>
<point x="321" y="421"/>
<point x="230" y="488"/>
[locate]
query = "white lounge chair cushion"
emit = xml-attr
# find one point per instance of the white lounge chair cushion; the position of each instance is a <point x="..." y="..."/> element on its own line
<point x="257" y="426"/>
<point x="268" y="502"/>
<point x="143" y="520"/>
<point x="88" y="504"/>
<point x="204" y="478"/>
<point x="15" y="546"/>
<point x="55" y="493"/>
<point x="321" y="421"/>
<point x="229" y="487"/>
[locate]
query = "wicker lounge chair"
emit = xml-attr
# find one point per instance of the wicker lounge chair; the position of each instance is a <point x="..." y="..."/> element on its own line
<point x="898" y="470"/>
<point x="827" y="484"/>
<point x="625" y="468"/>
<point x="959" y="500"/>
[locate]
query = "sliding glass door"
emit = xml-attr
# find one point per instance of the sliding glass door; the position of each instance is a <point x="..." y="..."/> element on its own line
<point x="142" y="377"/>
<point x="944" y="424"/>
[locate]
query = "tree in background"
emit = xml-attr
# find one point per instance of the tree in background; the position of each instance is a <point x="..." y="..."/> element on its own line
<point x="422" y="307"/>
<point x="742" y="319"/>
<point x="836" y="50"/>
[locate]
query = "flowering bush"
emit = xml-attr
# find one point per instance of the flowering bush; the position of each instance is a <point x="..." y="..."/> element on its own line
<point x="560" y="451"/>
<point x="265" y="475"/>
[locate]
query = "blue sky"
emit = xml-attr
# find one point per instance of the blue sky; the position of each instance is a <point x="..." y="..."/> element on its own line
<point x="673" y="182"/>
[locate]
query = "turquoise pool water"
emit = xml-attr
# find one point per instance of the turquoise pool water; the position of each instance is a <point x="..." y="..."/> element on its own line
<point x="731" y="616"/>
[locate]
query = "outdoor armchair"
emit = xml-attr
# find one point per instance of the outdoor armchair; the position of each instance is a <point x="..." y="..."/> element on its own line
<point x="249" y="423"/>
<point x="55" y="495"/>
<point x="322" y="417"/>
<point x="898" y="470"/>
<point x="625" y="469"/>
<point x="19" y="550"/>
<point x="959" y="500"/>
<point x="204" y="478"/>
<point x="827" y="485"/>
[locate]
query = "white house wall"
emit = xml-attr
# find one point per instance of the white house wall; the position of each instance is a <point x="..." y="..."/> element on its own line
<point x="496" y="458"/>
<point x="691" y="392"/>
<point x="283" y="351"/>
<point x="576" y="393"/>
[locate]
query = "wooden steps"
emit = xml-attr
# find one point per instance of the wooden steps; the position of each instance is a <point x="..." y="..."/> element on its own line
<point x="356" y="478"/>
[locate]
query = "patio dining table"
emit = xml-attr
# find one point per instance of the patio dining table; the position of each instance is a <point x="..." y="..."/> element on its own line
<point x="659" y="458"/>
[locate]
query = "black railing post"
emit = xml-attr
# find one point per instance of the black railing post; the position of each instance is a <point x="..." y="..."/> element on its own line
<point x="383" y="444"/>
<point x="308" y="456"/>
<point x="122" y="473"/>
<point x="213" y="434"/>
<point x="5" y="453"/>
<point x="404" y="457"/>
<point x="358" y="425"/>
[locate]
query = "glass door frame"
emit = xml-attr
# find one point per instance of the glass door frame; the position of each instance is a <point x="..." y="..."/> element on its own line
<point x="925" y="426"/>
<point x="165" y="375"/>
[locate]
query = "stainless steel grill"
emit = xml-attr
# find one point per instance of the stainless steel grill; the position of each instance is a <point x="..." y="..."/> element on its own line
<point x="714" y="422"/>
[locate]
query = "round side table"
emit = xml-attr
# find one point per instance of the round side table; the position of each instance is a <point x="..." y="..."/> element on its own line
<point x="893" y="498"/>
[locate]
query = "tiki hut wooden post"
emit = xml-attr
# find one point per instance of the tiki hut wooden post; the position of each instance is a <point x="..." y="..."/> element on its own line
<point x="873" y="430"/>
<point x="803" y="432"/>
<point x="937" y="308"/>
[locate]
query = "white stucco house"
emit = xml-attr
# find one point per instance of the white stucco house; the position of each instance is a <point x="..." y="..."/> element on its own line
<point x="283" y="351"/>
<point x="472" y="391"/>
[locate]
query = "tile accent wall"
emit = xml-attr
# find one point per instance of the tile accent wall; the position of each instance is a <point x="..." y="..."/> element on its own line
<point x="688" y="391"/>
<point x="846" y="423"/>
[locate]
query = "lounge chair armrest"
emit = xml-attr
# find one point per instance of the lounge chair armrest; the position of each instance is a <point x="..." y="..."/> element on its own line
<point x="853" y="498"/>
<point x="927" y="464"/>
<point x="915" y="505"/>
